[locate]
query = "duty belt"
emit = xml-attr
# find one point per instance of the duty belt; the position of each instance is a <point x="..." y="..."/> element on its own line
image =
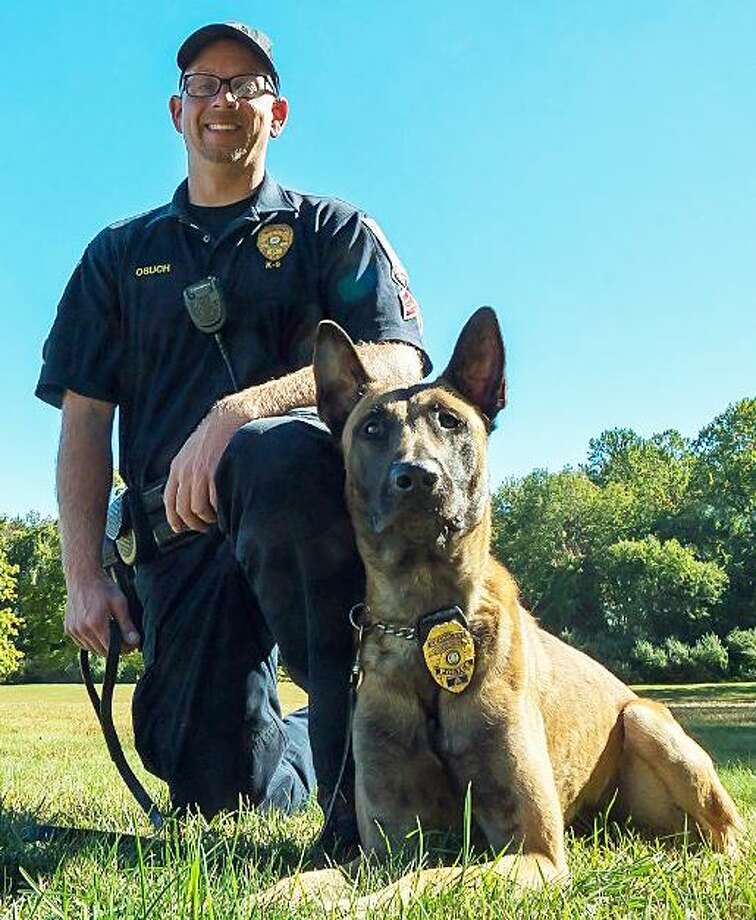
<point x="137" y="528"/>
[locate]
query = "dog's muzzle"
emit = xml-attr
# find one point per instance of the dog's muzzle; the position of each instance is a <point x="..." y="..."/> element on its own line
<point x="418" y="476"/>
<point x="415" y="492"/>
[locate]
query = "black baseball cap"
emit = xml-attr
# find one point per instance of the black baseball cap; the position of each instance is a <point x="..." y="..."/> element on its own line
<point x="254" y="39"/>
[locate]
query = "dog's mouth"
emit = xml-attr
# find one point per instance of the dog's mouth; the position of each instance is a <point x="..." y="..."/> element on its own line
<point x="418" y="516"/>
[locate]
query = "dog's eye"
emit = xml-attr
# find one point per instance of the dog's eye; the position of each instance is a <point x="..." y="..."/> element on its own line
<point x="372" y="428"/>
<point x="447" y="420"/>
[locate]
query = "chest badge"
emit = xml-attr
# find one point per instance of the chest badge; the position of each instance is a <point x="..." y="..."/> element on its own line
<point x="274" y="242"/>
<point x="449" y="654"/>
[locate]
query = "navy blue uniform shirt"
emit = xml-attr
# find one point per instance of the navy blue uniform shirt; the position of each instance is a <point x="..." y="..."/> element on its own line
<point x="123" y="335"/>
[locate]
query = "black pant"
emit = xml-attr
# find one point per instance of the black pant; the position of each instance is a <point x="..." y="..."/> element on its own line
<point x="280" y="571"/>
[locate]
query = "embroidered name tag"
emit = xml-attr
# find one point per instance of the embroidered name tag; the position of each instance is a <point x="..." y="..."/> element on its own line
<point x="162" y="269"/>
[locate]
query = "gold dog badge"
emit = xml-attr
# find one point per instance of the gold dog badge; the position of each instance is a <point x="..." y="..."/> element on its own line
<point x="274" y="242"/>
<point x="449" y="655"/>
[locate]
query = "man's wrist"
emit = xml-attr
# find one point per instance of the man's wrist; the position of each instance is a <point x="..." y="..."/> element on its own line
<point x="83" y="573"/>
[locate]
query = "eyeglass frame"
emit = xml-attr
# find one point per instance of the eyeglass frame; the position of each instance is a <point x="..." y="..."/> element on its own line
<point x="269" y="85"/>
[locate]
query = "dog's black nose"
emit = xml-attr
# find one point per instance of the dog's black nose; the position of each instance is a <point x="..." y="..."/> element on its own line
<point x="421" y="475"/>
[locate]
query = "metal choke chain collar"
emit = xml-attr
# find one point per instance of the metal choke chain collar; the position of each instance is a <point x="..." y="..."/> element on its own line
<point x="401" y="632"/>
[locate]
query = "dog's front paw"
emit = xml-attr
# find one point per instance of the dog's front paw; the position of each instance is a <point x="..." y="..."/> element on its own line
<point x="321" y="886"/>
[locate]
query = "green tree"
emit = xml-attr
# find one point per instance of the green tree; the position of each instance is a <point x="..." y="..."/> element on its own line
<point x="10" y="655"/>
<point x="33" y="545"/>
<point x="551" y="531"/>
<point x="655" y="470"/>
<point x="653" y="589"/>
<point x="610" y="554"/>
<point x="608" y="455"/>
<point x="719" y="517"/>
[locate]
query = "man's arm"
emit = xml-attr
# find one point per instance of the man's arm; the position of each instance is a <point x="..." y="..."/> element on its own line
<point x="84" y="477"/>
<point x="190" y="499"/>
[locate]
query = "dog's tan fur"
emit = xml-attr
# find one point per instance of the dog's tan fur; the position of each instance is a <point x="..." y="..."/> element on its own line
<point x="543" y="733"/>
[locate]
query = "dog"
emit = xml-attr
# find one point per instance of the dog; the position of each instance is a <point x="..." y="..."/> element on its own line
<point x="460" y="688"/>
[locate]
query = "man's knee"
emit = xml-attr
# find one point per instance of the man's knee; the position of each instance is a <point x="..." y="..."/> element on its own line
<point x="280" y="473"/>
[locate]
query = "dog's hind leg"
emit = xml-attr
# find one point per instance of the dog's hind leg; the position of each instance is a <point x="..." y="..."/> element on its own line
<point x="665" y="775"/>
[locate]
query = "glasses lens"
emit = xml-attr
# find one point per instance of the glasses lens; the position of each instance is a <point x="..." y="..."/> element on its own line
<point x="248" y="86"/>
<point x="201" y="84"/>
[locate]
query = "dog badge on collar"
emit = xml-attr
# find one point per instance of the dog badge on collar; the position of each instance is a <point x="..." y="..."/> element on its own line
<point x="273" y="242"/>
<point x="449" y="655"/>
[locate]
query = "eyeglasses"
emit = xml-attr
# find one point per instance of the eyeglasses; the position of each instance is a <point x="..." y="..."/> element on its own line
<point x="244" y="86"/>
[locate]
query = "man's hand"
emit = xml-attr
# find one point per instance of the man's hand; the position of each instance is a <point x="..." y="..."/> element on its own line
<point x="92" y="604"/>
<point x="189" y="496"/>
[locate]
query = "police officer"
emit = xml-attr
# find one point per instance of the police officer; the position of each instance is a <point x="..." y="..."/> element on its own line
<point x="253" y="481"/>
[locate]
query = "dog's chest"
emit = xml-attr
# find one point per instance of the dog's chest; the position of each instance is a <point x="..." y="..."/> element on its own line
<point x="401" y="694"/>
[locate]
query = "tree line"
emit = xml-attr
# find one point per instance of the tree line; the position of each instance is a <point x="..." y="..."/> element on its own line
<point x="643" y="556"/>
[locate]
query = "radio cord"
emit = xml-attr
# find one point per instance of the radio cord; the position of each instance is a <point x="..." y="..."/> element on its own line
<point x="222" y="348"/>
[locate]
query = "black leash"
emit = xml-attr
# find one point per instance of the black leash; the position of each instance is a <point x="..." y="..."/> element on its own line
<point x="104" y="707"/>
<point x="104" y="711"/>
<point x="354" y="682"/>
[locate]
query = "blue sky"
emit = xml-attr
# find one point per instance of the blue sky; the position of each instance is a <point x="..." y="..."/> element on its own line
<point x="589" y="169"/>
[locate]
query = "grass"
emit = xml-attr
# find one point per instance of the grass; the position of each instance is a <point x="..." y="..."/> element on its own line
<point x="54" y="768"/>
<point x="743" y="692"/>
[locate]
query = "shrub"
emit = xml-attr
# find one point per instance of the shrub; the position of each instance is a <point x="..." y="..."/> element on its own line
<point x="611" y="651"/>
<point x="679" y="659"/>
<point x="741" y="644"/>
<point x="649" y="662"/>
<point x="676" y="661"/>
<point x="709" y="658"/>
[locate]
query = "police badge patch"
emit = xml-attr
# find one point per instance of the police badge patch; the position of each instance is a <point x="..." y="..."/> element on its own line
<point x="273" y="242"/>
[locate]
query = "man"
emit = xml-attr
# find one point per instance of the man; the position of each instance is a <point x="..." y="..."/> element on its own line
<point x="253" y="481"/>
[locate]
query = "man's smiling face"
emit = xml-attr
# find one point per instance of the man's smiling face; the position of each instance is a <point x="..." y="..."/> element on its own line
<point x="221" y="128"/>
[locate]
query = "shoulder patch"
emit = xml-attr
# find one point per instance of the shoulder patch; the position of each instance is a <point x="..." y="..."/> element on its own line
<point x="398" y="271"/>
<point x="410" y="307"/>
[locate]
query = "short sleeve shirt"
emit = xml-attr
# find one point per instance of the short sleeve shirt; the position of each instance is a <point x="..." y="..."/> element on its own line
<point x="123" y="335"/>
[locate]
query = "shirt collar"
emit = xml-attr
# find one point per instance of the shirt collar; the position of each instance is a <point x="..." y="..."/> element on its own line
<point x="268" y="197"/>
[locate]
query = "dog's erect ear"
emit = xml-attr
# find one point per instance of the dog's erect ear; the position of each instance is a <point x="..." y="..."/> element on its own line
<point x="340" y="377"/>
<point x="477" y="367"/>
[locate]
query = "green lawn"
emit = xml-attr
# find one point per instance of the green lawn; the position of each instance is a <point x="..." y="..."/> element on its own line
<point x="744" y="692"/>
<point x="53" y="767"/>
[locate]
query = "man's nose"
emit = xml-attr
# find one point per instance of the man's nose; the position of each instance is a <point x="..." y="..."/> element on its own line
<point x="417" y="475"/>
<point x="225" y="99"/>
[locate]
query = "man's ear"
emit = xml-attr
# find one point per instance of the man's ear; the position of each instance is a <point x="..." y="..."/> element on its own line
<point x="340" y="377"/>
<point x="280" y="112"/>
<point x="477" y="367"/>
<point x="174" y="104"/>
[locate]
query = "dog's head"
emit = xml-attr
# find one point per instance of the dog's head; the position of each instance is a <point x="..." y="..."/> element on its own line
<point x="415" y="457"/>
